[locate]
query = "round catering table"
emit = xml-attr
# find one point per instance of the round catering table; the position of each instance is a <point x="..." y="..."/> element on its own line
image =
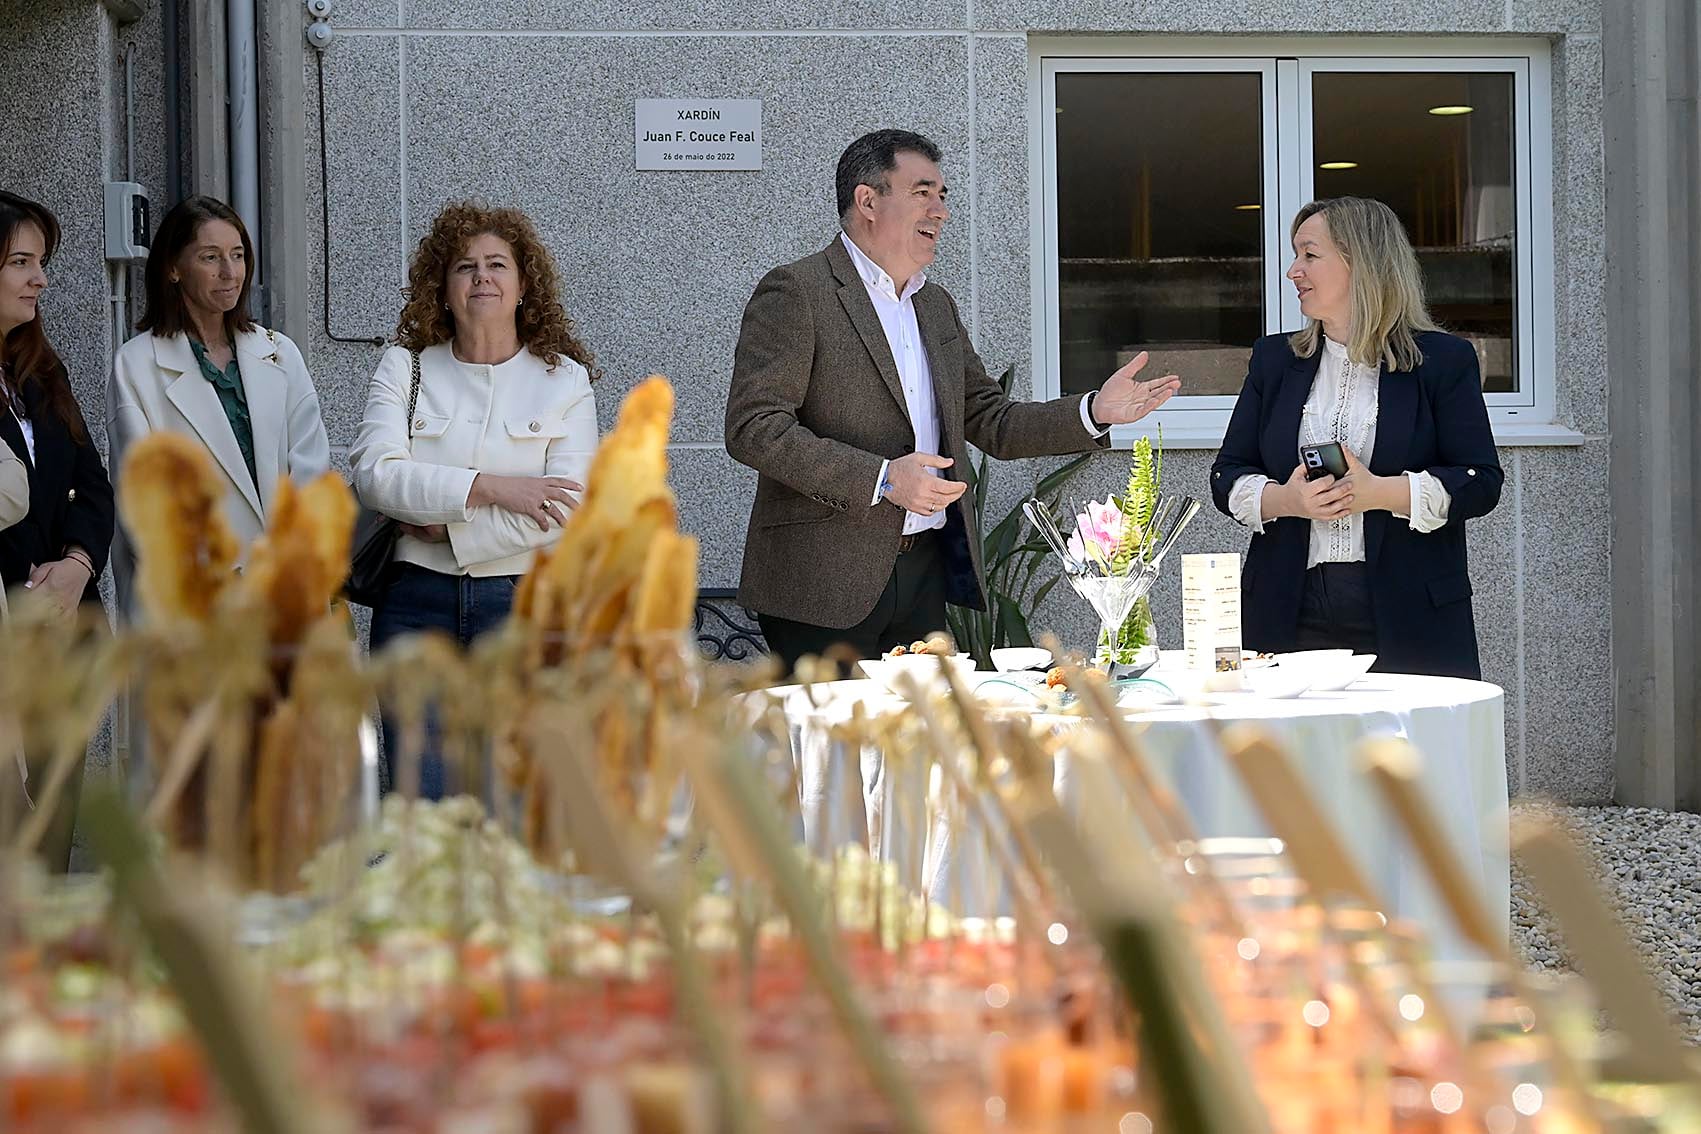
<point x="1456" y="725"/>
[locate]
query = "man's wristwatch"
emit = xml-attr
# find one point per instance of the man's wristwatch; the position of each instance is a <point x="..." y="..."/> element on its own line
<point x="885" y="487"/>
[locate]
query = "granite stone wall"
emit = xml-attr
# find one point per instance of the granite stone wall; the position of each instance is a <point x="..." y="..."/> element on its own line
<point x="530" y="102"/>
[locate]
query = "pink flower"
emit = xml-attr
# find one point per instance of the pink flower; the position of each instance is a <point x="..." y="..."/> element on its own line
<point x="1101" y="527"/>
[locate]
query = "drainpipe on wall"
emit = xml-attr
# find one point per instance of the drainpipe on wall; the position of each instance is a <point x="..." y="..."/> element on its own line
<point x="245" y="129"/>
<point x="173" y="106"/>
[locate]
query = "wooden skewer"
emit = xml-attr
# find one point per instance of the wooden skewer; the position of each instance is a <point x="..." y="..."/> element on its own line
<point x="1393" y="767"/>
<point x="1160" y="811"/>
<point x="1157" y="806"/>
<point x="986" y="748"/>
<point x="915" y="766"/>
<point x="187" y="749"/>
<point x="1330" y="871"/>
<point x="1655" y="1053"/>
<point x="66" y="755"/>
<point x="94" y="673"/>
<point x="597" y="834"/>
<point x="736" y="805"/>
<point x="1197" y="1068"/>
<point x="230" y="1017"/>
<point x="976" y="801"/>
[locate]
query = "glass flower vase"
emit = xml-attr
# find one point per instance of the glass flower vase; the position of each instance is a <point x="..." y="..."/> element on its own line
<point x="1131" y="648"/>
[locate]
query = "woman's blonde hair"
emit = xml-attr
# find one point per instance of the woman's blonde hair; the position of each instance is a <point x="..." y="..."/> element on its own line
<point x="1387" y="288"/>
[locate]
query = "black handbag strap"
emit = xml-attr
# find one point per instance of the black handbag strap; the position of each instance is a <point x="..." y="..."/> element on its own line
<point x="413" y="393"/>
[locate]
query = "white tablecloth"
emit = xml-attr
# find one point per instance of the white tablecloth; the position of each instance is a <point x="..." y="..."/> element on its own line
<point x="1456" y="725"/>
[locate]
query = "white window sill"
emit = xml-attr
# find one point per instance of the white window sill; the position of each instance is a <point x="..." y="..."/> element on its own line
<point x="1511" y="433"/>
<point x="1506" y="435"/>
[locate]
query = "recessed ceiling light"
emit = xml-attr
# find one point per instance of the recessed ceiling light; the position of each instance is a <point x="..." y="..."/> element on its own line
<point x="1338" y="165"/>
<point x="1450" y="111"/>
<point x="1247" y="208"/>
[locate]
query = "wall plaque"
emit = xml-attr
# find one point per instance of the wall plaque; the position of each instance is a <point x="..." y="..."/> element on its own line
<point x="698" y="133"/>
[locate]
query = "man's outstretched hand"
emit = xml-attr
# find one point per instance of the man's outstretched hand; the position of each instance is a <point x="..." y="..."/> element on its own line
<point x="1122" y="399"/>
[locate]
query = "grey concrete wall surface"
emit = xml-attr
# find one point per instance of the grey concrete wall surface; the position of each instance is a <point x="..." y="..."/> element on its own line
<point x="529" y="102"/>
<point x="62" y="90"/>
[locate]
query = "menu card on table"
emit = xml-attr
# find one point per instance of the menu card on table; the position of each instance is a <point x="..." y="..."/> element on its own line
<point x="1210" y="611"/>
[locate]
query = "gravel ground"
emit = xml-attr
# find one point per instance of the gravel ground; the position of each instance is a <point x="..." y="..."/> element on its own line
<point x="1650" y="865"/>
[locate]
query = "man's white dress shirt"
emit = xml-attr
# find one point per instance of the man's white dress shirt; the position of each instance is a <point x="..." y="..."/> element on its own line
<point x="903" y="336"/>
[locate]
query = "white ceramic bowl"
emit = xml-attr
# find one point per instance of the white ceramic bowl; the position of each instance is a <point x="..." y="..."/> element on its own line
<point x="1312" y="657"/>
<point x="1277" y="680"/>
<point x="923" y="668"/>
<point x="1334" y="674"/>
<point x="1189" y="684"/>
<point x="1010" y="659"/>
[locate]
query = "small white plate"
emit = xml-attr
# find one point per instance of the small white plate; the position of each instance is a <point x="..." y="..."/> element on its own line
<point x="1147" y="692"/>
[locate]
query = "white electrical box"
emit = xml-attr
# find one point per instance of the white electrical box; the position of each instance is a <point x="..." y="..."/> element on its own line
<point x="126" y="221"/>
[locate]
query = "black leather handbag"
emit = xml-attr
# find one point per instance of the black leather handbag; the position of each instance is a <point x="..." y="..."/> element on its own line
<point x="375" y="534"/>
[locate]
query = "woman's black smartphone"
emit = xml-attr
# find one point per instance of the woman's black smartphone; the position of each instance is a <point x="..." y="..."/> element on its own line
<point x="1323" y="460"/>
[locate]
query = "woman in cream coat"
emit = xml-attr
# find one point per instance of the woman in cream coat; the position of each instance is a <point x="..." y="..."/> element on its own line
<point x="205" y="369"/>
<point x="483" y="461"/>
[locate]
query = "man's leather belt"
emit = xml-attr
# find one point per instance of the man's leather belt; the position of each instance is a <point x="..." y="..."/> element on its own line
<point x="908" y="543"/>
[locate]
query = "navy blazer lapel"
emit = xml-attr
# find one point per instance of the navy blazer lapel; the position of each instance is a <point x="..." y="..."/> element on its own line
<point x="55" y="452"/>
<point x="853" y="293"/>
<point x="1289" y="407"/>
<point x="1396" y="418"/>
<point x="14" y="437"/>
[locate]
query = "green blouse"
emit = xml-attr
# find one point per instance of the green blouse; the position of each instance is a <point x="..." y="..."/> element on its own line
<point x="234" y="399"/>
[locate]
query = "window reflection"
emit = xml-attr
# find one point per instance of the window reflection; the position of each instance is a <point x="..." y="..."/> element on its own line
<point x="1437" y="148"/>
<point x="1160" y="225"/>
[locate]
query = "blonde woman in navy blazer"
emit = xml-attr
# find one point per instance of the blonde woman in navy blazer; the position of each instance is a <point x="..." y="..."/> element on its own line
<point x="1376" y="560"/>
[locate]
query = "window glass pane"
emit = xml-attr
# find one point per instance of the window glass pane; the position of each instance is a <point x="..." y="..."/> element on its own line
<point x="1437" y="148"/>
<point x="1159" y="225"/>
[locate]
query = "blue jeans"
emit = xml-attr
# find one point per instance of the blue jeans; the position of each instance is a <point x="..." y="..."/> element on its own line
<point x="460" y="606"/>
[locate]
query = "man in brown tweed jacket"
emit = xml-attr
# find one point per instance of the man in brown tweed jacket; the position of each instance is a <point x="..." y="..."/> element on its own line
<point x="855" y="391"/>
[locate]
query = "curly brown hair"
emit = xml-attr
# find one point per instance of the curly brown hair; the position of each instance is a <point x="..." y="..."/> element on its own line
<point x="542" y="322"/>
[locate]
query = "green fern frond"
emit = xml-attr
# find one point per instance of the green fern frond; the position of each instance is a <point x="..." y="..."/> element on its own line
<point x="1140" y="501"/>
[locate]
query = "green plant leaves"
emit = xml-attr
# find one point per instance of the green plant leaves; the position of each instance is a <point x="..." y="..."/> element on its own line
<point x="1012" y="555"/>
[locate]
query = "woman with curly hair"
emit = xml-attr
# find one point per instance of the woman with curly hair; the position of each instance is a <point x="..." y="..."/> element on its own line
<point x="480" y="424"/>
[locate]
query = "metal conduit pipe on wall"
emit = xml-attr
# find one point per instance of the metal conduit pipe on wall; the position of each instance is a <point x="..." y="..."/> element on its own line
<point x="173" y="106"/>
<point x="245" y="130"/>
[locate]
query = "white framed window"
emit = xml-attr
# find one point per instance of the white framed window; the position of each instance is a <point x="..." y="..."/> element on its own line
<point x="1167" y="172"/>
